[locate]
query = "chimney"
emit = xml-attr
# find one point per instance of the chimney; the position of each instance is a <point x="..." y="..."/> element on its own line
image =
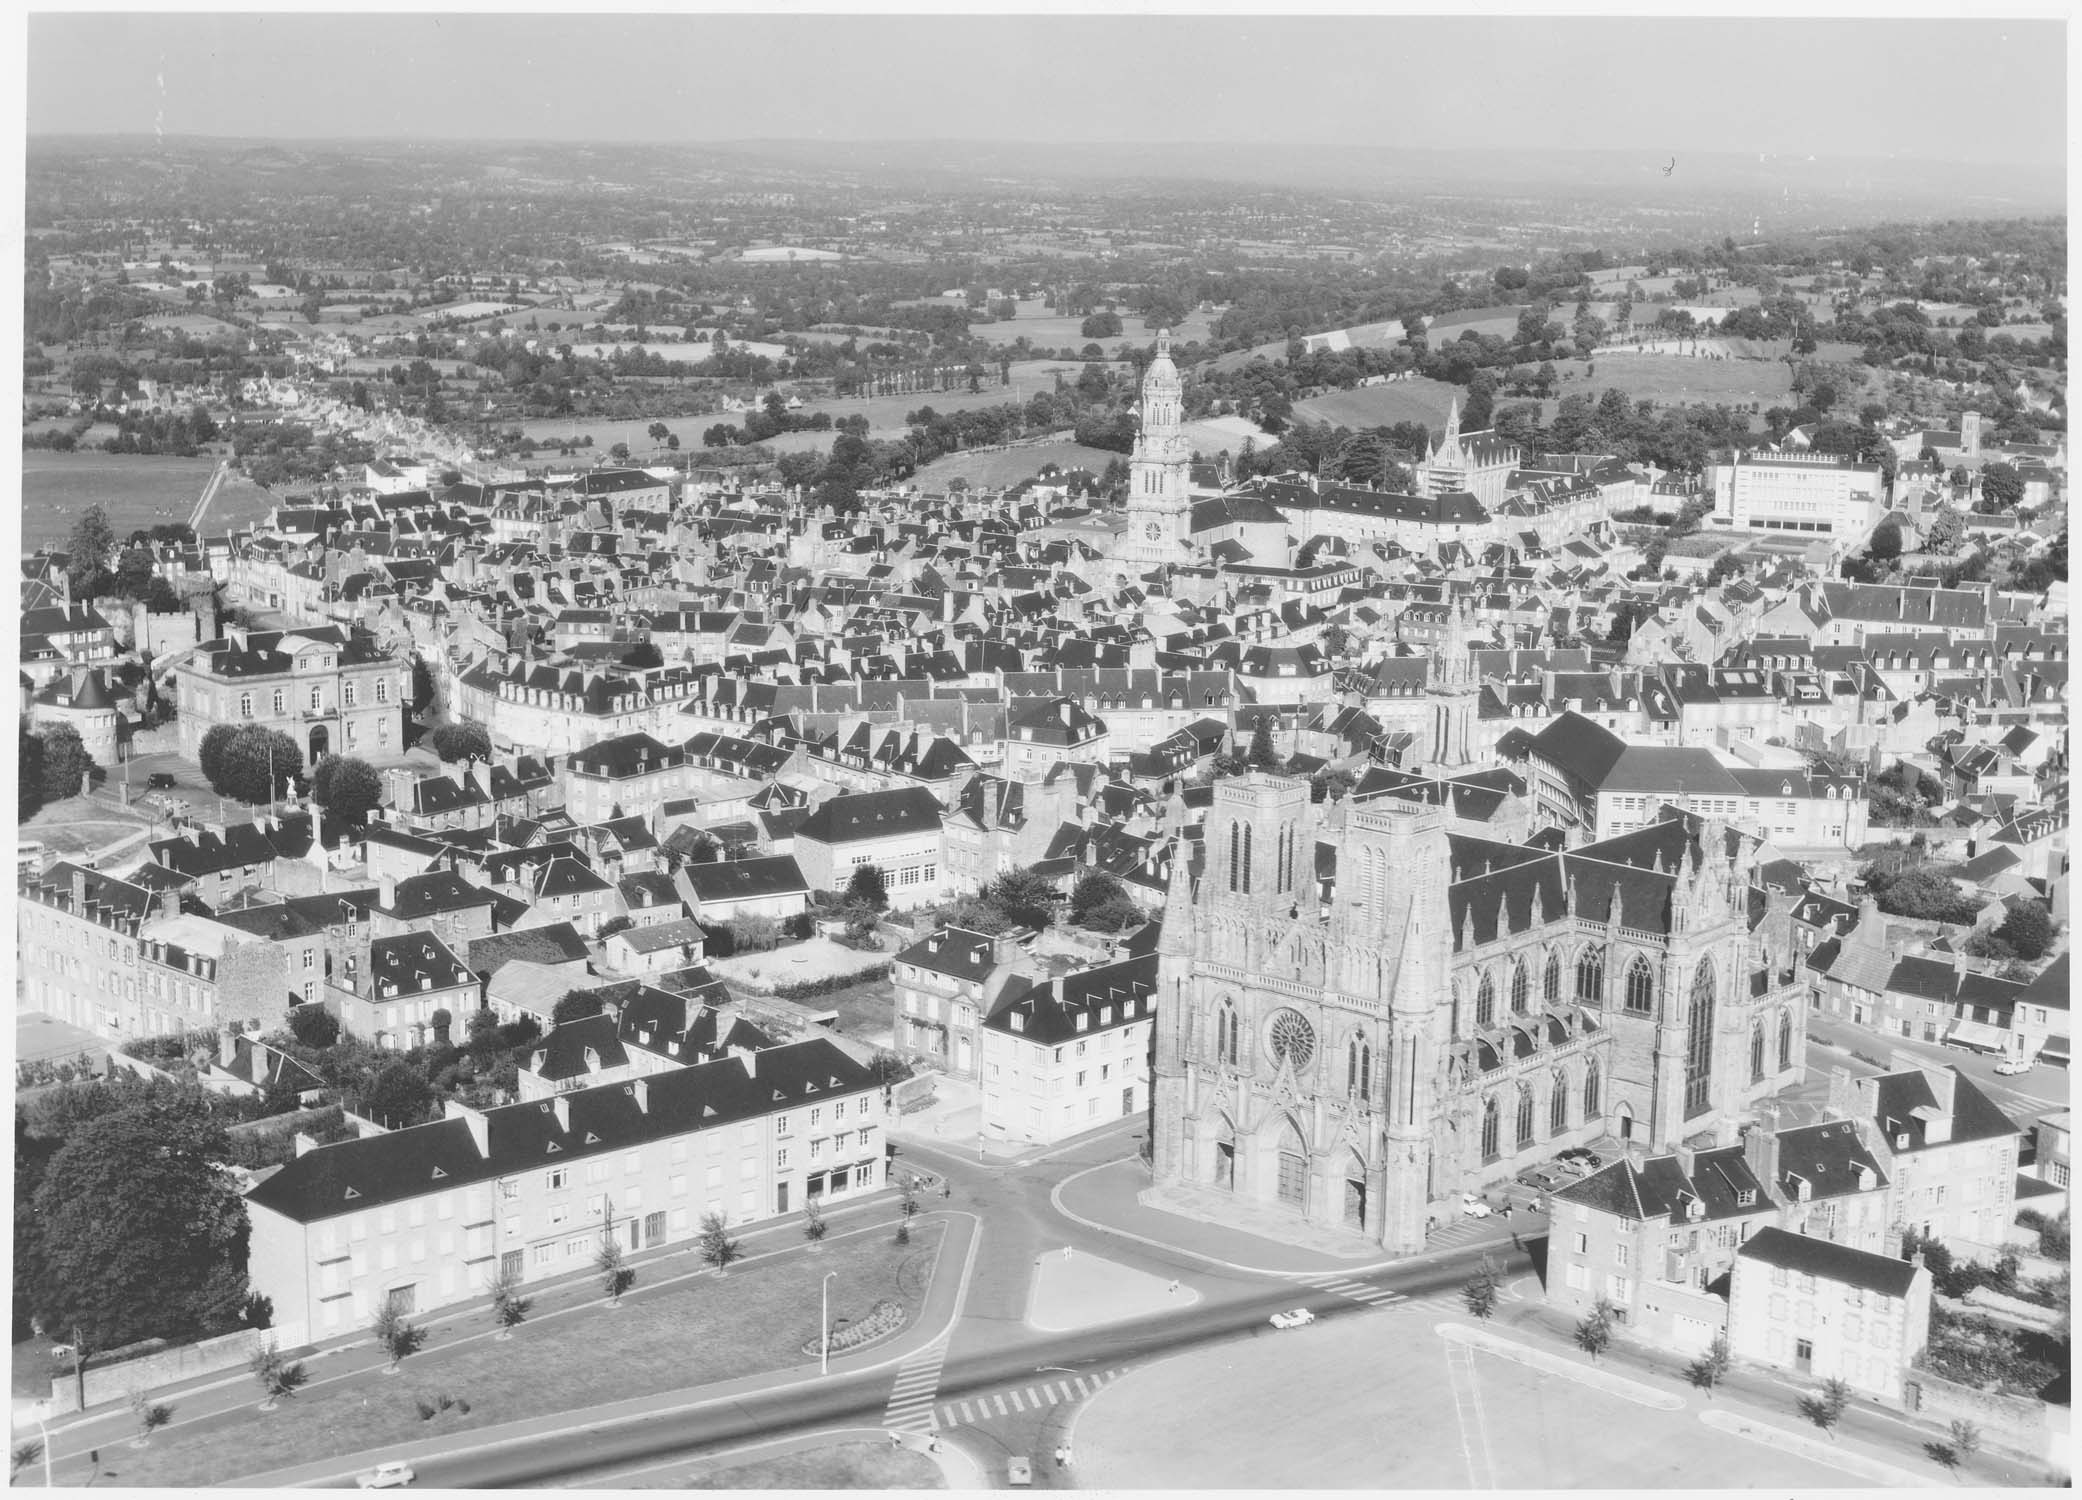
<point x="1843" y="1097"/>
<point x="561" y="1106"/>
<point x="1687" y="1160"/>
<point x="169" y="903"/>
<point x="1943" y="1085"/>
<point x="640" y="1091"/>
<point x="749" y="1058"/>
<point x="79" y="892"/>
<point x="387" y="892"/>
<point x="1760" y="1151"/>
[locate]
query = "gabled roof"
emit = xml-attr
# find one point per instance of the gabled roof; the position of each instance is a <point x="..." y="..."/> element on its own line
<point x="1827" y="1261"/>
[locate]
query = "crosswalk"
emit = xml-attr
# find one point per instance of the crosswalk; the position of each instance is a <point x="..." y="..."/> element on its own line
<point x="1358" y="1291"/>
<point x="1036" y="1397"/>
<point x="917" y="1383"/>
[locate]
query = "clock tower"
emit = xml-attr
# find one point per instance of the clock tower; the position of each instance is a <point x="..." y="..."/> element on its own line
<point x="1159" y="504"/>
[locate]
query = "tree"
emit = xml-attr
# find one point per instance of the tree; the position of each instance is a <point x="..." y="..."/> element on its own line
<point x="1336" y="639"/>
<point x="464" y="741"/>
<point x="1710" y="1368"/>
<point x="210" y="753"/>
<point x="278" y="1377"/>
<point x="144" y="1234"/>
<point x="134" y="572"/>
<point x="509" y="1307"/>
<point x="347" y="787"/>
<point x="1025" y="897"/>
<point x="255" y="764"/>
<point x="2001" y="487"/>
<point x="1094" y="889"/>
<point x="2027" y="929"/>
<point x="397" y="1096"/>
<point x="29" y="774"/>
<point x="643" y="654"/>
<point x="616" y="1275"/>
<point x="868" y="888"/>
<point x="1480" y="1290"/>
<point x="813" y="1226"/>
<point x="576" y="1005"/>
<point x="422" y="686"/>
<point x="87" y="553"/>
<point x="151" y="1416"/>
<point x="714" y="1242"/>
<point x="396" y="1335"/>
<point x="314" y="1026"/>
<point x="65" y="762"/>
<point x="1885" y="545"/>
<point x="20" y="1456"/>
<point x="1594" y="1333"/>
<point x="1826" y="1405"/>
<point x="1262" y="754"/>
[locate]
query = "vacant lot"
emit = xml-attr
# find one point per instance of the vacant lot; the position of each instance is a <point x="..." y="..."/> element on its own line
<point x="1048" y="331"/>
<point x="673" y="1337"/>
<point x="1415" y="400"/>
<point x="1672" y="379"/>
<point x="842" y="1466"/>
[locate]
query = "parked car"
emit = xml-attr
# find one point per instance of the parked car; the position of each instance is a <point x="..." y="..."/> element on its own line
<point x="1581" y="1158"/>
<point x="160" y="781"/>
<point x="1473" y="1207"/>
<point x="1293" y="1317"/>
<point x="2015" y="1065"/>
<point x="387" y="1476"/>
<point x="1019" y="1471"/>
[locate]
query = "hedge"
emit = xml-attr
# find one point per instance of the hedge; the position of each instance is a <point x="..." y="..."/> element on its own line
<point x="808" y="989"/>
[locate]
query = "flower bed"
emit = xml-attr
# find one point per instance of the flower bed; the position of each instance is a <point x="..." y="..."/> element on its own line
<point x="883" y="1319"/>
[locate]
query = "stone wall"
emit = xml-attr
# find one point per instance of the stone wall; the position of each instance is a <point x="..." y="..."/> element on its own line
<point x="118" y="1382"/>
<point x="2018" y="1424"/>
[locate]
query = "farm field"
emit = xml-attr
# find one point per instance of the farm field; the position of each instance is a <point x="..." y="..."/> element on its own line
<point x="1036" y="323"/>
<point x="136" y="490"/>
<point x="1670" y="379"/>
<point x="1010" y="465"/>
<point x="1413" y="400"/>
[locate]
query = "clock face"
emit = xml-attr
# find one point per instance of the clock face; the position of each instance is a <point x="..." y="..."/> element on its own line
<point x="1155" y="531"/>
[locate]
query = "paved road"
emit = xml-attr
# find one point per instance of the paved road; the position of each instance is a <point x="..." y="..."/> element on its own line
<point x="2025" y="1096"/>
<point x="1072" y="1365"/>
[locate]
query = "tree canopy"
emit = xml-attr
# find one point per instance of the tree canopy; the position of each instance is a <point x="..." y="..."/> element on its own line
<point x="251" y="764"/>
<point x="347" y="787"/>
<point x="465" y="741"/>
<point x="143" y="1233"/>
<point x="64" y="760"/>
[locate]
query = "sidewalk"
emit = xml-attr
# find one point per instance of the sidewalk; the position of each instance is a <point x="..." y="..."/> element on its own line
<point x="1240" y="1235"/>
<point x="953" y="1123"/>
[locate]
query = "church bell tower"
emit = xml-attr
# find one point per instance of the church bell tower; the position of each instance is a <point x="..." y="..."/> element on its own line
<point x="1159" y="503"/>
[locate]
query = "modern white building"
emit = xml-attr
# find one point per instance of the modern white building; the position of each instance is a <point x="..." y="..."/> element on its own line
<point x="1817" y="493"/>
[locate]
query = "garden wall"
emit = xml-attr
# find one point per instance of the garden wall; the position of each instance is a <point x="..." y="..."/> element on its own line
<point x="118" y="1382"/>
<point x="2016" y="1423"/>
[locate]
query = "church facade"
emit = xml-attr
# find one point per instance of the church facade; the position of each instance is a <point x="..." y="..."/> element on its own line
<point x="1360" y="1048"/>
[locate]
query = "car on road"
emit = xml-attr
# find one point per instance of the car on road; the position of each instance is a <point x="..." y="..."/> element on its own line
<point x="1293" y="1317"/>
<point x="1473" y="1207"/>
<point x="160" y="781"/>
<point x="1019" y="1471"/>
<point x="386" y="1476"/>
<point x="2013" y="1066"/>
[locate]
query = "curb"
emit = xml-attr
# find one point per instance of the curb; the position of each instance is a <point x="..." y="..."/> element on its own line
<point x="1831" y="1455"/>
<point x="1547" y="1363"/>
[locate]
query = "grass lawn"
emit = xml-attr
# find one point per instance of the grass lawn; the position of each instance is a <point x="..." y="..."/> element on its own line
<point x="1669" y="379"/>
<point x="136" y="490"/>
<point x="842" y="1466"/>
<point x="1010" y="465"/>
<point x="667" y="1337"/>
<point x="867" y="1012"/>
<point x="1415" y="400"/>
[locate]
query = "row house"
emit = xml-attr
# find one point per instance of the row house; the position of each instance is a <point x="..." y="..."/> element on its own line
<point x="1824" y="1311"/>
<point x="76" y="942"/>
<point x="943" y="984"/>
<point x="627" y="775"/>
<point x="391" y="991"/>
<point x="1069" y="1054"/>
<point x="422" y="1218"/>
<point x="898" y="832"/>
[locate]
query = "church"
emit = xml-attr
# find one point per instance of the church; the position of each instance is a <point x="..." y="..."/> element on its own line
<point x="1160" y="499"/>
<point x="1363" y="1016"/>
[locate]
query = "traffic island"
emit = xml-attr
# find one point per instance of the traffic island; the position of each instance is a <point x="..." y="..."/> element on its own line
<point x="1076" y="1291"/>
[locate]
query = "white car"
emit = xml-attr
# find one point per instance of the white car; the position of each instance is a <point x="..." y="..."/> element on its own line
<point x="1475" y="1208"/>
<point x="2011" y="1067"/>
<point x="1293" y="1317"/>
<point x="388" y="1476"/>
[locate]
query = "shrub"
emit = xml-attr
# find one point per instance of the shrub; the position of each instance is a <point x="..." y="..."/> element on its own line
<point x="1479" y="1290"/>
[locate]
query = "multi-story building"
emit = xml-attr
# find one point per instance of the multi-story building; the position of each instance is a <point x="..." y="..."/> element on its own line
<point x="1070" y="1054"/>
<point x="197" y="974"/>
<point x="324" y="688"/>
<point x="424" y="1217"/>
<point x="1649" y="1235"/>
<point x="389" y="990"/>
<point x="628" y="775"/>
<point x="1949" y="1151"/>
<point x="1812" y="493"/>
<point x="943" y="983"/>
<point x="898" y="832"/>
<point x="1826" y="1311"/>
<point x="1040" y="734"/>
<point x="77" y="944"/>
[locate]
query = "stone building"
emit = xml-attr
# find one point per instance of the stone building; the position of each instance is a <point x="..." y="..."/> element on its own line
<point x="1359" y="1034"/>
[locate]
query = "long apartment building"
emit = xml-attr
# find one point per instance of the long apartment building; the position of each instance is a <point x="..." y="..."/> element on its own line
<point x="427" y="1216"/>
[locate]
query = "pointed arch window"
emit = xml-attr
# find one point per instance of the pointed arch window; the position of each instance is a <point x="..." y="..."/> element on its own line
<point x="1485" y="1003"/>
<point x="1525" y="1115"/>
<point x="1698" y="1054"/>
<point x="1550" y="980"/>
<point x="1453" y="1010"/>
<point x="1640" y="988"/>
<point x="1756" y="1051"/>
<point x="1246" y="859"/>
<point x="1489" y="1129"/>
<point x="1785" y="1040"/>
<point x="1558" y="1103"/>
<point x="1590" y="1089"/>
<point x="1359" y="1070"/>
<point x="1521" y="989"/>
<point x="1590" y="977"/>
<point x="1235" y="852"/>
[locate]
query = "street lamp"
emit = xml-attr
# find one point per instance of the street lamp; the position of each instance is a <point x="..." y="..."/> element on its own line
<point x="37" y="1412"/>
<point x="824" y="1355"/>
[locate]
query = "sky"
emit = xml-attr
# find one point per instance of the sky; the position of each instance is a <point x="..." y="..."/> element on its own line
<point x="1937" y="89"/>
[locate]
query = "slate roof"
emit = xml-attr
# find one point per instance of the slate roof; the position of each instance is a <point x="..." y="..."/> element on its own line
<point x="1827" y="1156"/>
<point x="746" y="879"/>
<point x="403" y="1164"/>
<point x="1827" y="1261"/>
<point x="1659" y="1188"/>
<point x="1975" y="1116"/>
<point x="556" y="943"/>
<point x="1048" y="1013"/>
<point x="861" y="816"/>
<point x="419" y="896"/>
